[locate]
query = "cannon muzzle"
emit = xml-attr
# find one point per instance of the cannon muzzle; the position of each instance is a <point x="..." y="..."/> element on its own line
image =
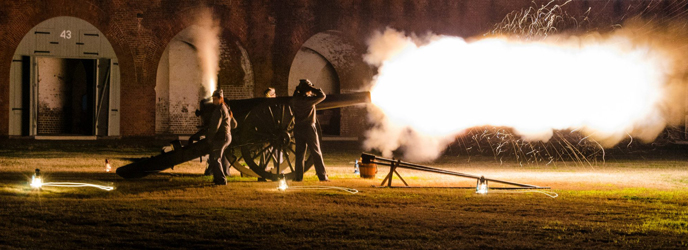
<point x="334" y="101"/>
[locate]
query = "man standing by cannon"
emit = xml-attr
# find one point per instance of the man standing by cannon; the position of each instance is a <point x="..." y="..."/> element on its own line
<point x="219" y="136"/>
<point x="306" y="96"/>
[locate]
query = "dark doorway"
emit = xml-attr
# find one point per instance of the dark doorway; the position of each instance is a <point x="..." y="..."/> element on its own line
<point x="330" y="121"/>
<point x="66" y="96"/>
<point x="25" y="95"/>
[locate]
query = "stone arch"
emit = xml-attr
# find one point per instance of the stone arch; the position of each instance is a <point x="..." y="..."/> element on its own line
<point x="64" y="70"/>
<point x="334" y="63"/>
<point x="179" y="81"/>
<point x="23" y="21"/>
<point x="319" y="59"/>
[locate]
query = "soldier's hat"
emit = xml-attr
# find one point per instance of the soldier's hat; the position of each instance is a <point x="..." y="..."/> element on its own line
<point x="218" y="93"/>
<point x="305" y="83"/>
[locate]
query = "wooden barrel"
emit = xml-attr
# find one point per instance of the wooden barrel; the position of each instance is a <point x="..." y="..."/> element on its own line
<point x="367" y="170"/>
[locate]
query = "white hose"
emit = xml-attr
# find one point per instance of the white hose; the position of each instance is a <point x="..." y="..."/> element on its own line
<point x="76" y="184"/>
<point x="350" y="190"/>
<point x="548" y="193"/>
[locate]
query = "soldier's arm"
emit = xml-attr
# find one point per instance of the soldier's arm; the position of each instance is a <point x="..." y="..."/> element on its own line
<point x="318" y="97"/>
<point x="232" y="122"/>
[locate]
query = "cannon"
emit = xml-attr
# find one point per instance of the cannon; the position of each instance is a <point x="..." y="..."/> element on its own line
<point x="263" y="143"/>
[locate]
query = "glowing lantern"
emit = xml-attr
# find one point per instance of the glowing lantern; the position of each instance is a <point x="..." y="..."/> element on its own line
<point x="356" y="171"/>
<point x="107" y="166"/>
<point x="36" y="181"/>
<point x="481" y="187"/>
<point x="282" y="184"/>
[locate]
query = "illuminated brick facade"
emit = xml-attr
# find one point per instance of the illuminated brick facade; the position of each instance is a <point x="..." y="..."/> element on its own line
<point x="272" y="32"/>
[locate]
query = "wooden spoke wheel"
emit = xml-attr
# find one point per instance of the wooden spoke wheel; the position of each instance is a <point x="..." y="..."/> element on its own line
<point x="234" y="158"/>
<point x="267" y="141"/>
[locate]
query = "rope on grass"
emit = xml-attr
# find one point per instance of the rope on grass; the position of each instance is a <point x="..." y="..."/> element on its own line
<point x="345" y="189"/>
<point x="550" y="194"/>
<point x="76" y="184"/>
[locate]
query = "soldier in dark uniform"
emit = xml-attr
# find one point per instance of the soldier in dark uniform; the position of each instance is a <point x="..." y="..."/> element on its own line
<point x="306" y="96"/>
<point x="219" y="136"/>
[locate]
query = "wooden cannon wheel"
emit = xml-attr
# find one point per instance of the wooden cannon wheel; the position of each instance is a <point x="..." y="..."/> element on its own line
<point x="267" y="141"/>
<point x="233" y="158"/>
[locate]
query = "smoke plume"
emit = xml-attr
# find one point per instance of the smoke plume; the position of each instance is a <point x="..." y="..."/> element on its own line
<point x="207" y="42"/>
<point x="609" y="87"/>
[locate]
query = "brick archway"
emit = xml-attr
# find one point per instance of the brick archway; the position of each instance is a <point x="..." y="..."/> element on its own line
<point x="25" y="21"/>
<point x="180" y="81"/>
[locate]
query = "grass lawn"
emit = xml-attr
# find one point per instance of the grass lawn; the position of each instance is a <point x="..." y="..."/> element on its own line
<point x="634" y="201"/>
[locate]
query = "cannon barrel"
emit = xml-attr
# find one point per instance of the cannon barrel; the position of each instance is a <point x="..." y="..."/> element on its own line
<point x="344" y="100"/>
<point x="243" y="106"/>
<point x="240" y="108"/>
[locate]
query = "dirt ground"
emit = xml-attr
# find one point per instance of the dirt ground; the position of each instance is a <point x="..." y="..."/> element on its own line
<point x="633" y="200"/>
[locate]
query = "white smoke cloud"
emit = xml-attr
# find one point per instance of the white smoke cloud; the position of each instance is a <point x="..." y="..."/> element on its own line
<point x="383" y="46"/>
<point x="207" y="42"/>
<point x="388" y="136"/>
<point x="608" y="86"/>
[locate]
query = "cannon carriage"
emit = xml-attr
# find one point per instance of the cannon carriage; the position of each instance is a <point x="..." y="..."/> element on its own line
<point x="262" y="145"/>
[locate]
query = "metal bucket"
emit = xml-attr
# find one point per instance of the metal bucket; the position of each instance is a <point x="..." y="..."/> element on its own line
<point x="367" y="170"/>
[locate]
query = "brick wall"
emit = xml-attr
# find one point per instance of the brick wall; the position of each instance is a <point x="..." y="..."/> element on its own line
<point x="162" y="111"/>
<point x="51" y="121"/>
<point x="271" y="32"/>
<point x="185" y="122"/>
